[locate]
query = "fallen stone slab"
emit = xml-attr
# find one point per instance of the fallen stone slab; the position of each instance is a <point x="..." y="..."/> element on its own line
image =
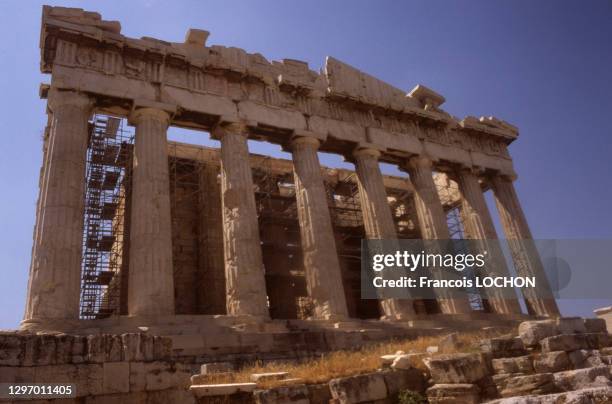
<point x="520" y="364"/>
<point x="598" y="395"/>
<point x="358" y="389"/>
<point x="571" y="325"/>
<point x="503" y="347"/>
<point x="568" y="342"/>
<point x="581" y="378"/>
<point x="457" y="368"/>
<point x="297" y="394"/>
<point x="585" y="358"/>
<point x="409" y="361"/>
<point x="265" y="377"/>
<point x="550" y="362"/>
<point x="453" y="393"/>
<point x="319" y="393"/>
<point x="211" y="390"/>
<point x="595" y="325"/>
<point x="387" y="360"/>
<point x="532" y="332"/>
<point x="539" y="383"/>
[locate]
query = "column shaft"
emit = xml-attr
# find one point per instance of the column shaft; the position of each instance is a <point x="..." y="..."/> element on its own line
<point x="54" y="285"/>
<point x="151" y="283"/>
<point x="432" y="220"/>
<point x="526" y="259"/>
<point x="479" y="226"/>
<point x="244" y="270"/>
<point x="377" y="218"/>
<point x="321" y="264"/>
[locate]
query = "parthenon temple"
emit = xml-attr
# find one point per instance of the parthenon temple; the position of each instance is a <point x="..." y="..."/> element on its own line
<point x="135" y="230"/>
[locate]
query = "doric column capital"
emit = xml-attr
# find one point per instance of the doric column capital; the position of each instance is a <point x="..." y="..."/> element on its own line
<point x="420" y="161"/>
<point x="224" y="128"/>
<point x="305" y="140"/>
<point x="149" y="113"/>
<point x="366" y="152"/>
<point x="58" y="98"/>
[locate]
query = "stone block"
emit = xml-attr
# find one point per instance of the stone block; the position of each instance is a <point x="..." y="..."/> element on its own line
<point x="566" y="342"/>
<point x="211" y="390"/>
<point x="88" y="378"/>
<point x="266" y="377"/>
<point x="585" y="358"/>
<point x="319" y="393"/>
<point x="14" y="374"/>
<point x="104" y="348"/>
<point x="387" y="360"/>
<point x="531" y="332"/>
<point x="116" y="377"/>
<point x="286" y="395"/>
<point x="520" y="364"/>
<point x="399" y="380"/>
<point x="162" y="348"/>
<point x="550" y="362"/>
<point x="182" y="396"/>
<point x="453" y="393"/>
<point x="137" y="347"/>
<point x="358" y="389"/>
<point x="571" y="325"/>
<point x="595" y="325"/>
<point x="164" y="375"/>
<point x="10" y="349"/>
<point x="408" y="361"/>
<point x="503" y="347"/>
<point x="63" y="348"/>
<point x="79" y="349"/>
<point x="457" y="368"/>
<point x="539" y="383"/>
<point x="583" y="378"/>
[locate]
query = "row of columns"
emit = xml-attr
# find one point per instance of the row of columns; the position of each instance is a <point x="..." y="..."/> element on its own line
<point x="53" y="291"/>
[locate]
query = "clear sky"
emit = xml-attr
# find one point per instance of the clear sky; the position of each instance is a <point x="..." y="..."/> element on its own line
<point x="545" y="66"/>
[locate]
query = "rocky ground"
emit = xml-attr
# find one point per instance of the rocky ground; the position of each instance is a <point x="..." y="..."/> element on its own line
<point x="566" y="360"/>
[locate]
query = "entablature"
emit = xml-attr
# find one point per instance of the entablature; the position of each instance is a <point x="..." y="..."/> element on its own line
<point x="205" y="83"/>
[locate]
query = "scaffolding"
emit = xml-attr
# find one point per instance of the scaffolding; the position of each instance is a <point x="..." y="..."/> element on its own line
<point x="448" y="191"/>
<point x="109" y="155"/>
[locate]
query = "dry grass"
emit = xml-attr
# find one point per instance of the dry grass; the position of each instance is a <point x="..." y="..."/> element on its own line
<point x="344" y="363"/>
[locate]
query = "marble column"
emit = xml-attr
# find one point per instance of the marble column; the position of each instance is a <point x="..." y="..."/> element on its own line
<point x="244" y="270"/>
<point x="55" y="272"/>
<point x="539" y="300"/>
<point x="321" y="264"/>
<point x="478" y="226"/>
<point x="432" y="220"/>
<point x="151" y="283"/>
<point x="377" y="218"/>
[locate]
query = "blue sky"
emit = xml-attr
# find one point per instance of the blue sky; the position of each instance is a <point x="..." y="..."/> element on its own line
<point x="545" y="66"/>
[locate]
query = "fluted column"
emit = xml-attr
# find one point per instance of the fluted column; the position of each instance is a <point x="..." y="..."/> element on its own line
<point x="377" y="218"/>
<point x="151" y="283"/>
<point x="321" y="264"/>
<point x="244" y="270"/>
<point x="432" y="219"/>
<point x="478" y="225"/>
<point x="54" y="284"/>
<point x="526" y="259"/>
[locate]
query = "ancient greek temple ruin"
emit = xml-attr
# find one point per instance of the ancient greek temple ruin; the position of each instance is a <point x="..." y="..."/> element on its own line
<point x="132" y="226"/>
